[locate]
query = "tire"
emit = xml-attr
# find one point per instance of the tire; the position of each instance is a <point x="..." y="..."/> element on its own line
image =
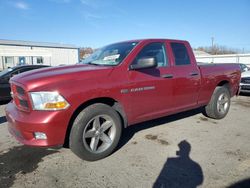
<point x="96" y="132"/>
<point x="219" y="104"/>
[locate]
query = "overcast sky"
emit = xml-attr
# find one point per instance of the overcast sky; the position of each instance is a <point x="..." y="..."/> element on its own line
<point x="95" y="23"/>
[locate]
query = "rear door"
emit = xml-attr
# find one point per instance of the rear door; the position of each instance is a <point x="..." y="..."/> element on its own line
<point x="151" y="90"/>
<point x="186" y="75"/>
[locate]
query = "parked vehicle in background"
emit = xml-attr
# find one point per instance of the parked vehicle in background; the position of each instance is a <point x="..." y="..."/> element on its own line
<point x="6" y="74"/>
<point x="244" y="68"/>
<point x="87" y="106"/>
<point x="245" y="82"/>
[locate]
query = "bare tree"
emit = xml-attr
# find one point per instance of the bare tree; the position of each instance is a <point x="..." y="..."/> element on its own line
<point x="85" y="51"/>
<point x="218" y="49"/>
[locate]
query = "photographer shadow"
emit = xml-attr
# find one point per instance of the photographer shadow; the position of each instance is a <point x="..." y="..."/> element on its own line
<point x="180" y="171"/>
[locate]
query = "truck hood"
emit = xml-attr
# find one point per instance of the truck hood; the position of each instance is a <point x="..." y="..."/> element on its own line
<point x="245" y="74"/>
<point x="45" y="77"/>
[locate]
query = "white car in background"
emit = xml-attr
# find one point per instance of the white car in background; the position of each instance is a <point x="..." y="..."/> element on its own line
<point x="244" y="67"/>
<point x="245" y="82"/>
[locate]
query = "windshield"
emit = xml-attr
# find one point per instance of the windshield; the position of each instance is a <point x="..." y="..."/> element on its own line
<point x="110" y="55"/>
<point x="5" y="71"/>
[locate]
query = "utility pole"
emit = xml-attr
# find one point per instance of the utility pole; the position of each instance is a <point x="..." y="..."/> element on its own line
<point x="212" y="47"/>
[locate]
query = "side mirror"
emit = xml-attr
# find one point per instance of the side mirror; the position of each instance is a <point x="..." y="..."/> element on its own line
<point x="144" y="63"/>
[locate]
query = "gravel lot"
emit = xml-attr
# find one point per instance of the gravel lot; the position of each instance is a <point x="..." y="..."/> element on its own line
<point x="184" y="150"/>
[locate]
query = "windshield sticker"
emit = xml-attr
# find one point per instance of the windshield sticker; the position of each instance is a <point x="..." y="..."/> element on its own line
<point x="111" y="57"/>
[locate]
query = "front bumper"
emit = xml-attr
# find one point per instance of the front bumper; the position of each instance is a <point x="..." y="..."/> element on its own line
<point x="23" y="125"/>
<point x="244" y="88"/>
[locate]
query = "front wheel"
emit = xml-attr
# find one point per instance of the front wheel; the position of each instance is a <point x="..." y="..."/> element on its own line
<point x="219" y="104"/>
<point x="95" y="132"/>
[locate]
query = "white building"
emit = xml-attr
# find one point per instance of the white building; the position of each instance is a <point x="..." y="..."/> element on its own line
<point x="227" y="58"/>
<point x="14" y="53"/>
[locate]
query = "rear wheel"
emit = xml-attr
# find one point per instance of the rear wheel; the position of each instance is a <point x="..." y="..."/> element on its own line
<point x="219" y="104"/>
<point x="95" y="132"/>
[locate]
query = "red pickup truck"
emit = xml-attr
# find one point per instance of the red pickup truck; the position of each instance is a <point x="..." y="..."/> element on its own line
<point x="87" y="105"/>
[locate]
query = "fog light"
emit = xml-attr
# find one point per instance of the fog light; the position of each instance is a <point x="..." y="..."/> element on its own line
<point x="40" y="136"/>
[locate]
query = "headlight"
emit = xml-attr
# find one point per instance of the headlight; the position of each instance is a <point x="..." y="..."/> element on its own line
<point x="48" y="101"/>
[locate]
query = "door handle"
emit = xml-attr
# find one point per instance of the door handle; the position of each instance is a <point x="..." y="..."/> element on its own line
<point x="167" y="76"/>
<point x="194" y="74"/>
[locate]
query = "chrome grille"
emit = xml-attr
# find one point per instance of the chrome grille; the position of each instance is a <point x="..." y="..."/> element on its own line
<point x="245" y="80"/>
<point x="20" y="90"/>
<point x="20" y="97"/>
<point x="24" y="103"/>
<point x="245" y="87"/>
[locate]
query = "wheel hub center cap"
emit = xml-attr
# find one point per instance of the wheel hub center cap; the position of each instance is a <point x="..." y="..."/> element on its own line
<point x="97" y="133"/>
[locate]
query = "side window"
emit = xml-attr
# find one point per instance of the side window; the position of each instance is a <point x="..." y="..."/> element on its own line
<point x="156" y="50"/>
<point x="39" y="60"/>
<point x="15" y="73"/>
<point x="22" y="61"/>
<point x="25" y="69"/>
<point x="9" y="62"/>
<point x="180" y="54"/>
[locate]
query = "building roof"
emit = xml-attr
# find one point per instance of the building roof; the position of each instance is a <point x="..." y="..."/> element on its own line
<point x="36" y="44"/>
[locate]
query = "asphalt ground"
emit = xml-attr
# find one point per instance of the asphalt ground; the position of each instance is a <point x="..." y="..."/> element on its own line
<point x="183" y="150"/>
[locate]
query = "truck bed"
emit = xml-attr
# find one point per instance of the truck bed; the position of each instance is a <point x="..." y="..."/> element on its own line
<point x="213" y="73"/>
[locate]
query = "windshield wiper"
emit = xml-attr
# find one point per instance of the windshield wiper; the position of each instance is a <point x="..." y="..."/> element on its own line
<point x="99" y="64"/>
<point x="91" y="63"/>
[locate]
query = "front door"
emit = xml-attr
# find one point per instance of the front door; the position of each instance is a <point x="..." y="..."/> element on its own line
<point x="151" y="90"/>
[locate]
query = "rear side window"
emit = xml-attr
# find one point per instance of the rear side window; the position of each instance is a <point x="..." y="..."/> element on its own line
<point x="156" y="50"/>
<point x="24" y="70"/>
<point x="180" y="54"/>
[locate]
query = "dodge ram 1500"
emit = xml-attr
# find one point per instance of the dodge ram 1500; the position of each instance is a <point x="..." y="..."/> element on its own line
<point x="87" y="105"/>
